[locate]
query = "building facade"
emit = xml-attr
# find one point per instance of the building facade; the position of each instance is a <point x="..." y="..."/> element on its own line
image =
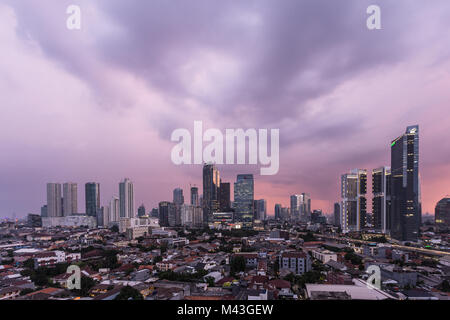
<point x="211" y="185"/>
<point x="442" y="212"/>
<point x="70" y="199"/>
<point x="126" y="198"/>
<point x="243" y="199"/>
<point x="406" y="211"/>
<point x="54" y="202"/>
<point x="381" y="199"/>
<point x="296" y="262"/>
<point x="92" y="197"/>
<point x="354" y="202"/>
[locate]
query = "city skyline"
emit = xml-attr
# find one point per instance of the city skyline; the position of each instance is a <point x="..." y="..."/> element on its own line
<point x="286" y="202"/>
<point x="311" y="69"/>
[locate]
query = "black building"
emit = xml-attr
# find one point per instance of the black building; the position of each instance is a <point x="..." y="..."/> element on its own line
<point x="141" y="211"/>
<point x="406" y="208"/>
<point x="442" y="212"/>
<point x="224" y="197"/>
<point x="337" y="214"/>
<point x="167" y="214"/>
<point x="92" y="190"/>
<point x="194" y="196"/>
<point x="211" y="185"/>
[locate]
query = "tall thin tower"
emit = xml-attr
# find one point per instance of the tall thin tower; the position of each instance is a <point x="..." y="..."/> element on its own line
<point x="126" y="198"/>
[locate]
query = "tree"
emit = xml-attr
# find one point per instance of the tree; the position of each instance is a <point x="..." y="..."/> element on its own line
<point x="129" y="293"/>
<point x="445" y="286"/>
<point x="309" y="236"/>
<point x="237" y="264"/>
<point x="276" y="266"/>
<point x="26" y="291"/>
<point x="29" y="264"/>
<point x="353" y="258"/>
<point x="86" y="285"/>
<point x="210" y="281"/>
<point x="114" y="228"/>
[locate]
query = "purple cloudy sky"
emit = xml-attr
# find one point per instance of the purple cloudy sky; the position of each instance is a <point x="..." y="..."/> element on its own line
<point x="100" y="104"/>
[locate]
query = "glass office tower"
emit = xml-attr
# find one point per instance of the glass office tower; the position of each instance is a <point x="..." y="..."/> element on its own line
<point x="243" y="199"/>
<point x="406" y="211"/>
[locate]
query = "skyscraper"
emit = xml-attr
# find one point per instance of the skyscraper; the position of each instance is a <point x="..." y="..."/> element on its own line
<point x="381" y="200"/>
<point x="167" y="214"/>
<point x="406" y="209"/>
<point x="178" y="198"/>
<point x="295" y="207"/>
<point x="154" y="213"/>
<point x="44" y="211"/>
<point x="54" y="203"/>
<point x="92" y="191"/>
<point x="194" y="196"/>
<point x="260" y="209"/>
<point x="277" y="211"/>
<point x="114" y="209"/>
<point x="70" y="199"/>
<point x="442" y="212"/>
<point x="141" y="210"/>
<point x="211" y="184"/>
<point x="337" y="214"/>
<point x="354" y="203"/>
<point x="106" y="215"/>
<point x="305" y="207"/>
<point x="243" y="199"/>
<point x="178" y="201"/>
<point x="126" y="198"/>
<point x="224" y="196"/>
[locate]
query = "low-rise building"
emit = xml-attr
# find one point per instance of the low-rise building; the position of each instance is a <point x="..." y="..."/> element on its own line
<point x="296" y="262"/>
<point x="324" y="255"/>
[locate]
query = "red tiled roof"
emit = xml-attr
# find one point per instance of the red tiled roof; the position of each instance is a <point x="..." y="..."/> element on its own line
<point x="280" y="284"/>
<point x="293" y="255"/>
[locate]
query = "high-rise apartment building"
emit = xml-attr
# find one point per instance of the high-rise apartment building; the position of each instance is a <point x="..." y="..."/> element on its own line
<point x="44" y="211"/>
<point x="106" y="215"/>
<point x="194" y="196"/>
<point x="178" y="197"/>
<point x="406" y="211"/>
<point x="295" y="207"/>
<point x="92" y="197"/>
<point x="167" y="214"/>
<point x="54" y="203"/>
<point x="381" y="200"/>
<point x="141" y="210"/>
<point x="354" y="202"/>
<point x="114" y="209"/>
<point x="305" y="207"/>
<point x="260" y="209"/>
<point x="70" y="199"/>
<point x="126" y="199"/>
<point x="277" y="211"/>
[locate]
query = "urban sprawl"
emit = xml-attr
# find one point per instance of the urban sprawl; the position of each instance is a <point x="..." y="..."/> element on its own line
<point x="211" y="248"/>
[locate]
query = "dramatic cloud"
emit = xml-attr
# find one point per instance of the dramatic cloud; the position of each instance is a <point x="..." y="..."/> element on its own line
<point x="100" y="103"/>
